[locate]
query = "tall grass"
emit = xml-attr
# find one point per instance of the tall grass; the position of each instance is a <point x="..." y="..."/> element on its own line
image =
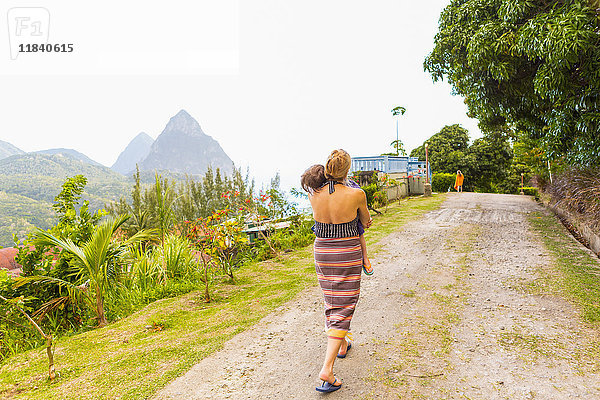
<point x="578" y="190"/>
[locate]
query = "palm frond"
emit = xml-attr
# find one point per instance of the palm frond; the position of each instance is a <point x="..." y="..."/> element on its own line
<point x="44" y="238"/>
<point x="77" y="293"/>
<point x="142" y="236"/>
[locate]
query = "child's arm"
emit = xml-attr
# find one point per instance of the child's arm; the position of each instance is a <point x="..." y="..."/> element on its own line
<point x="352" y="184"/>
<point x="363" y="211"/>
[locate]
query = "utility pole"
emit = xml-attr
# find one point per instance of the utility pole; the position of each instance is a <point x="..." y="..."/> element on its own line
<point x="427" y="186"/>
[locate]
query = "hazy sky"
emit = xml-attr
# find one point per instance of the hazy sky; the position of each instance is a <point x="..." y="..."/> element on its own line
<point x="278" y="83"/>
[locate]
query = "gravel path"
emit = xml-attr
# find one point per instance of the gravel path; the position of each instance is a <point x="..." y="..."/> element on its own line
<point x="452" y="312"/>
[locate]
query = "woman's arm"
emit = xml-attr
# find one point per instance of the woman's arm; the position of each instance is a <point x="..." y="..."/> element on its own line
<point x="363" y="212"/>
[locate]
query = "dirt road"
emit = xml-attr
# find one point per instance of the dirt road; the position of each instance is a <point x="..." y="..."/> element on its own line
<point x="452" y="312"/>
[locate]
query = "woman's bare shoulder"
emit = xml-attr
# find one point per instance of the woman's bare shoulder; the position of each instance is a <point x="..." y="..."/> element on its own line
<point x="357" y="191"/>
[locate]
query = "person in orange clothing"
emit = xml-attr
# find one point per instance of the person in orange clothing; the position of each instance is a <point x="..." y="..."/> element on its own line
<point x="458" y="183"/>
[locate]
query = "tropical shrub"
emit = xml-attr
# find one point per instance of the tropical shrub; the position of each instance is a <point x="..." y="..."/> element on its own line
<point x="441" y="182"/>
<point x="176" y="257"/>
<point x="96" y="266"/>
<point x="299" y="234"/>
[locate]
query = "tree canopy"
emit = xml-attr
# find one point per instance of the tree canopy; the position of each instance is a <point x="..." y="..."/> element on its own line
<point x="488" y="163"/>
<point x="531" y="65"/>
<point x="447" y="149"/>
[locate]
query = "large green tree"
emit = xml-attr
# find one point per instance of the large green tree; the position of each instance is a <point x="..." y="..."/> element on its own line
<point x="531" y="65"/>
<point x="489" y="161"/>
<point x="447" y="149"/>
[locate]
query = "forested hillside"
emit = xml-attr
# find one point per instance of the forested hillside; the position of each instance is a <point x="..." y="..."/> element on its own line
<point x="29" y="182"/>
<point x="19" y="214"/>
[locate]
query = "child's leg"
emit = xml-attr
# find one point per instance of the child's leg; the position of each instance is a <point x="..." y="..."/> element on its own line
<point x="363" y="246"/>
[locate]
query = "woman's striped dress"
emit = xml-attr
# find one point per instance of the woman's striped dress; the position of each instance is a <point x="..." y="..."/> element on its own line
<point x="338" y="261"/>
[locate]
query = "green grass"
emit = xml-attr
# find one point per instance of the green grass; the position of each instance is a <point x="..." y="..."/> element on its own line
<point x="134" y="357"/>
<point x="579" y="271"/>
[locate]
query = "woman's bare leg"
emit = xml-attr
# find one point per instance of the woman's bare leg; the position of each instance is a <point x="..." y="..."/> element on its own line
<point x="333" y="347"/>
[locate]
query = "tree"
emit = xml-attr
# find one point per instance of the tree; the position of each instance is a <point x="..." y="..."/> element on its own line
<point x="95" y="264"/>
<point x="486" y="164"/>
<point x="399" y="146"/>
<point x="447" y="149"/>
<point x="78" y="227"/>
<point x="17" y="303"/>
<point x="489" y="159"/>
<point x="396" y="112"/>
<point x="531" y="65"/>
<point x="165" y="198"/>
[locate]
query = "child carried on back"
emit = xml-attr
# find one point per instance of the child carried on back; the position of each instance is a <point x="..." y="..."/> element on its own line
<point x="314" y="179"/>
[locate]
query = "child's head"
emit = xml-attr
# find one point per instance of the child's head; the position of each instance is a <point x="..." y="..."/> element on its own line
<point x="313" y="178"/>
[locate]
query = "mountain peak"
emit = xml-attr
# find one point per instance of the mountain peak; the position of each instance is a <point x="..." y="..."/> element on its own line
<point x="183" y="114"/>
<point x="183" y="122"/>
<point x="142" y="136"/>
<point x="183" y="147"/>
<point x="134" y="153"/>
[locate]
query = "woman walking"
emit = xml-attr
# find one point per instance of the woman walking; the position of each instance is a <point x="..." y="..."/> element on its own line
<point x="338" y="257"/>
<point x="458" y="182"/>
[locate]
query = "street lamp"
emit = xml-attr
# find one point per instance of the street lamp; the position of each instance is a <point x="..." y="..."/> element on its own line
<point x="426" y="162"/>
<point x="427" y="185"/>
<point x="522" y="192"/>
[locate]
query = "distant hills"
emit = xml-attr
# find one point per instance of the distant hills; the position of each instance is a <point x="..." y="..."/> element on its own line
<point x="29" y="182"/>
<point x="136" y="151"/>
<point x="7" y="150"/>
<point x="20" y="214"/>
<point x="40" y="176"/>
<point x="73" y="153"/>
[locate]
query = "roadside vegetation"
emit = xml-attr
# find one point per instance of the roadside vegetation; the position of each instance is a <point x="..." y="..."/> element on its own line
<point x="529" y="71"/>
<point x="157" y="330"/>
<point x="577" y="268"/>
<point x="93" y="268"/>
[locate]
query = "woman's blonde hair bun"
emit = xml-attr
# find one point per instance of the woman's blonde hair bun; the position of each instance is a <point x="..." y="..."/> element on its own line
<point x="338" y="165"/>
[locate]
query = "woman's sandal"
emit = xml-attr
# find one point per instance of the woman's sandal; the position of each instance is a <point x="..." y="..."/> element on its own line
<point x="327" y="387"/>
<point x="347" y="349"/>
<point x="365" y="268"/>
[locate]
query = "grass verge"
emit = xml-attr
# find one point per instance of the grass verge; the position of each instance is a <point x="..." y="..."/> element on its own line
<point x="579" y="270"/>
<point x="134" y="357"/>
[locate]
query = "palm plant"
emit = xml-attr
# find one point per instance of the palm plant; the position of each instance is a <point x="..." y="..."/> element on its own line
<point x="165" y="202"/>
<point x="96" y="263"/>
<point x="397" y="112"/>
<point x="146" y="270"/>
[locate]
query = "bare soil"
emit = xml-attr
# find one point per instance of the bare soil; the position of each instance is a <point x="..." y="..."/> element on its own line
<point x="456" y="309"/>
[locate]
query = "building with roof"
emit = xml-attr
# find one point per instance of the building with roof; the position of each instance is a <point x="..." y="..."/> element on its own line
<point x="409" y="172"/>
<point x="395" y="166"/>
<point x="8" y="261"/>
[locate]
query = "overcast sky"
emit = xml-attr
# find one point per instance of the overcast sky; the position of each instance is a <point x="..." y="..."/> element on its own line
<point x="279" y="84"/>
